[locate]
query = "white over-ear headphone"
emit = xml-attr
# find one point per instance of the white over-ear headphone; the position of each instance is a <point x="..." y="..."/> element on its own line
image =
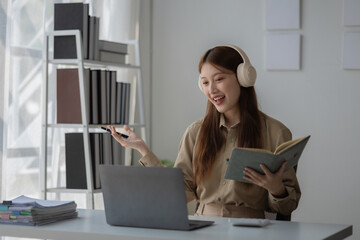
<point x="246" y="73"/>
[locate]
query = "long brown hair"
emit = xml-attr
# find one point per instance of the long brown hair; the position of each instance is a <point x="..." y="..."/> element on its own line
<point x="210" y="139"/>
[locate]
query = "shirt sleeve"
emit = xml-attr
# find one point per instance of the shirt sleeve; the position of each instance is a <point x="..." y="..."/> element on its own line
<point x="184" y="160"/>
<point x="289" y="203"/>
<point x="150" y="160"/>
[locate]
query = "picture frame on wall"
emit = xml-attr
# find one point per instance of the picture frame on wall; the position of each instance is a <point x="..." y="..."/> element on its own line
<point x="283" y="51"/>
<point x="283" y="14"/>
<point x="351" y="16"/>
<point x="351" y="50"/>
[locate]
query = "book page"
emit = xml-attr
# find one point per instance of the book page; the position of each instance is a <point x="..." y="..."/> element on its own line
<point x="287" y="144"/>
<point x="257" y="150"/>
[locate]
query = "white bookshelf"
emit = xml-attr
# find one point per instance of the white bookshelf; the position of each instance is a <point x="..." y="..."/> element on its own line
<point x="136" y="95"/>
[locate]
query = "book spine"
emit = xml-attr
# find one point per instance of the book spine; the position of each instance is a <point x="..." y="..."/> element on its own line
<point x="113" y="98"/>
<point x="103" y="97"/>
<point x="95" y="96"/>
<point x="97" y="32"/>
<point x="85" y="31"/>
<point x="91" y="49"/>
<point x="118" y="102"/>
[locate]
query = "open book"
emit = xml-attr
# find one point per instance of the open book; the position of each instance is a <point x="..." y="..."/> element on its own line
<point x="289" y="151"/>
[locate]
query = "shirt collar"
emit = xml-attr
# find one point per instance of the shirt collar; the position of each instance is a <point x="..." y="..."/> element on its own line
<point x="222" y="122"/>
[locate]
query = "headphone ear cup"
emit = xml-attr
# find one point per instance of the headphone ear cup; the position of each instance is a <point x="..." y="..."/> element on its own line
<point x="199" y="83"/>
<point x="246" y="74"/>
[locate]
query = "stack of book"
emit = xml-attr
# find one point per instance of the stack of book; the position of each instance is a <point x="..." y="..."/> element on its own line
<point x="70" y="16"/>
<point x="107" y="101"/>
<point x="112" y="52"/>
<point x="104" y="150"/>
<point x="30" y="211"/>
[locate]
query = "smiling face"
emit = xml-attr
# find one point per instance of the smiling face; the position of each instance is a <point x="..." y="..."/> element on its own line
<point x="222" y="89"/>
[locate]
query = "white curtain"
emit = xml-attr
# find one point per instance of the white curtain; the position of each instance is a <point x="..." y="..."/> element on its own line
<point x="28" y="21"/>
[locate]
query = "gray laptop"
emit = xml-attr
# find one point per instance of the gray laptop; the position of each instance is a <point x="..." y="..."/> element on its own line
<point x="148" y="197"/>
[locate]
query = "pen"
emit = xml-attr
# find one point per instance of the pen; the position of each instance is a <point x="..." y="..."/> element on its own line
<point x="106" y="129"/>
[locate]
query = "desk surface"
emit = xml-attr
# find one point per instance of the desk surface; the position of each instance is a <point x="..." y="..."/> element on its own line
<point x="91" y="225"/>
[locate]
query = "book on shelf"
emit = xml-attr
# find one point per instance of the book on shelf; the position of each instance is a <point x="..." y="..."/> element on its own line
<point x="118" y="153"/>
<point x="96" y="157"/>
<point x="106" y="100"/>
<point x="70" y="16"/>
<point x="97" y="34"/>
<point x="95" y="96"/>
<point x="75" y="161"/>
<point x="24" y="210"/>
<point x="108" y="96"/>
<point x="112" y="57"/>
<point x="87" y="86"/>
<point x="118" y="106"/>
<point x="113" y="98"/>
<point x="94" y="37"/>
<point x="127" y="105"/>
<point x="68" y="96"/>
<point x="107" y="149"/>
<point x="103" y="97"/>
<point x="68" y="108"/>
<point x="122" y="103"/>
<point x="240" y="158"/>
<point x="91" y="44"/>
<point x="115" y="47"/>
<point x="103" y="150"/>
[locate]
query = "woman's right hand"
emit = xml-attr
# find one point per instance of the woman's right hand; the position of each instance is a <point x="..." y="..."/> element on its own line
<point x="133" y="141"/>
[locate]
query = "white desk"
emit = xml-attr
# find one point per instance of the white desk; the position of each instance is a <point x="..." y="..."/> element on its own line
<point x="91" y="225"/>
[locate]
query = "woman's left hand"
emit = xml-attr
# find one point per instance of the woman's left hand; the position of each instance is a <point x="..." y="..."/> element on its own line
<point x="270" y="181"/>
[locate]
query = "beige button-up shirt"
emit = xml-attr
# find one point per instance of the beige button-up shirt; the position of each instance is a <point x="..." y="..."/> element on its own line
<point x="217" y="189"/>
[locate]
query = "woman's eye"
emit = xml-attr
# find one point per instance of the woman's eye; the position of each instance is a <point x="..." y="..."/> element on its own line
<point x="219" y="79"/>
<point x="204" y="83"/>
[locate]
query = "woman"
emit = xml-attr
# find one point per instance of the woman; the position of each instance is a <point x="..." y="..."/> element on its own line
<point x="232" y="120"/>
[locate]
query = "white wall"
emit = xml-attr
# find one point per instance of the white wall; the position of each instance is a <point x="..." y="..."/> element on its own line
<point x="321" y="99"/>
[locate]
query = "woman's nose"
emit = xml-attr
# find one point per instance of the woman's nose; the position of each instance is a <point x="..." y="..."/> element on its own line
<point x="212" y="87"/>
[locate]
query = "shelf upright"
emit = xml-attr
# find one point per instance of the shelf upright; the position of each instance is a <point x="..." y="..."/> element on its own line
<point x="85" y="126"/>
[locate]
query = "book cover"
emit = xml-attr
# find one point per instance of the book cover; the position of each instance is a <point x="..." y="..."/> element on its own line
<point x="69" y="16"/>
<point x="115" y="47"/>
<point x="68" y="108"/>
<point x="240" y="158"/>
<point x="75" y="161"/>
